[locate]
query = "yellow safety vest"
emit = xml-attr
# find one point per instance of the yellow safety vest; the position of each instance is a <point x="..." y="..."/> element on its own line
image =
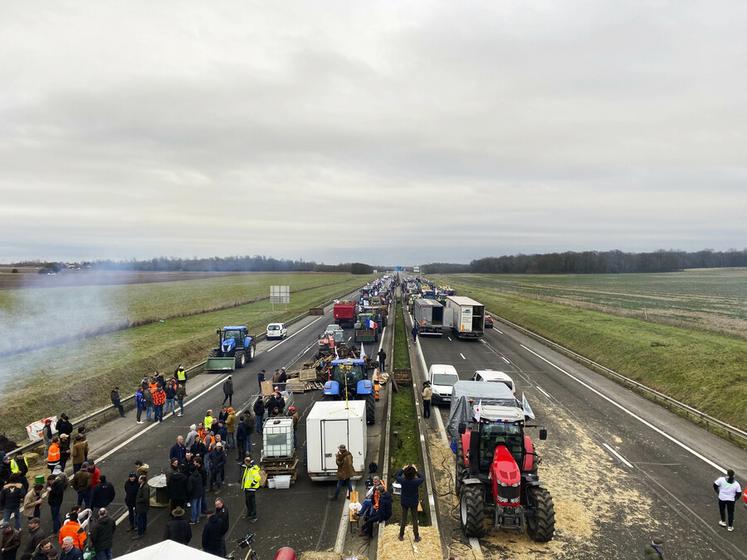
<point x="208" y="422"/>
<point x="250" y="479"/>
<point x="181" y="375"/>
<point x="14" y="468"/>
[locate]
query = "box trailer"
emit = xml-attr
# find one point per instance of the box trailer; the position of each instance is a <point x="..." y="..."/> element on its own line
<point x="329" y="424"/>
<point x="467" y="316"/>
<point x="430" y="317"/>
<point x="344" y="313"/>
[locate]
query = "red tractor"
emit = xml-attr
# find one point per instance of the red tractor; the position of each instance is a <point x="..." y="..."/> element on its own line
<point x="496" y="463"/>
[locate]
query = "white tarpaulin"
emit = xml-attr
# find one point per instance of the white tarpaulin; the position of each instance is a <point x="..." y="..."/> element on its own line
<point x="167" y="550"/>
<point x="35" y="429"/>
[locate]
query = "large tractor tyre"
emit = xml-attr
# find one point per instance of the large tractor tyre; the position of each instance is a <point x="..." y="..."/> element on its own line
<point x="240" y="360"/>
<point x="472" y="510"/>
<point x="370" y="409"/>
<point x="541" y="523"/>
<point x="252" y="352"/>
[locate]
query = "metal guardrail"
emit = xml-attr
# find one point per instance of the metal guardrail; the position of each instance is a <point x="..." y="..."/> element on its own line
<point x="732" y="432"/>
<point x="110" y="408"/>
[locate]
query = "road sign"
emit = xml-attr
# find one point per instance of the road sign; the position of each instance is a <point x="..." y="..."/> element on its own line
<point x="280" y="295"/>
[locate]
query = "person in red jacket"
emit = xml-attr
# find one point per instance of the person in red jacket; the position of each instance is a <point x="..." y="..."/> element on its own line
<point x="159" y="399"/>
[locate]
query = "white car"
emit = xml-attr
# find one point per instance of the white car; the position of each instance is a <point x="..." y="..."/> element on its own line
<point x="493" y="376"/>
<point x="337" y="332"/>
<point x="442" y="378"/>
<point x="276" y="330"/>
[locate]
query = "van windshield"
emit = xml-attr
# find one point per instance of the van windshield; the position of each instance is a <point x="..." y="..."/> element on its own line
<point x="273" y="328"/>
<point x="445" y="379"/>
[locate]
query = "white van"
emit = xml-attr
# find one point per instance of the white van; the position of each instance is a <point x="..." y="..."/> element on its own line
<point x="276" y="330"/>
<point x="493" y="376"/>
<point x="442" y="378"/>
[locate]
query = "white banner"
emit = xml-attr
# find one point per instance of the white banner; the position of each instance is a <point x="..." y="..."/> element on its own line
<point x="35" y="430"/>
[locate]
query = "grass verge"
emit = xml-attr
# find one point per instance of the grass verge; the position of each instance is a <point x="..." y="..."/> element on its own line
<point x="704" y="370"/>
<point x="404" y="442"/>
<point x="78" y="378"/>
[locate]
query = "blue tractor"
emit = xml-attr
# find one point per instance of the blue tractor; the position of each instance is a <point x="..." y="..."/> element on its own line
<point x="348" y="378"/>
<point x="235" y="348"/>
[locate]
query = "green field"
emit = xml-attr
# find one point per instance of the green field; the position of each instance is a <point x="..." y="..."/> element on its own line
<point x="708" y="299"/>
<point x="78" y="377"/>
<point x="703" y="369"/>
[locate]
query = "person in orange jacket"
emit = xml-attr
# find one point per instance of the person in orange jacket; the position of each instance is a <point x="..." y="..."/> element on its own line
<point x="53" y="454"/>
<point x="71" y="528"/>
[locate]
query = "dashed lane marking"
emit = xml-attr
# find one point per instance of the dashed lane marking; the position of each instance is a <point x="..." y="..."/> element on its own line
<point x="505" y="359"/>
<point x="541" y="390"/>
<point x="631" y="413"/>
<point x="616" y="454"/>
<point x="462" y="355"/>
<point x="299" y="331"/>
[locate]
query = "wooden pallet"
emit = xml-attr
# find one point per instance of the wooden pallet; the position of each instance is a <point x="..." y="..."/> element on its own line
<point x="275" y="467"/>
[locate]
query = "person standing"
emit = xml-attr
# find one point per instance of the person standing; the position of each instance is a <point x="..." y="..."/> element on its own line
<point x="208" y="420"/>
<point x="231" y="428"/>
<point x="250" y="479"/>
<point x="728" y="489"/>
<point x="148" y="396"/>
<point x="131" y="487"/>
<point x="65" y="451"/>
<point x="221" y="512"/>
<point x="103" y="494"/>
<point x="53" y="455"/>
<point x="212" y="535"/>
<point x="181" y="393"/>
<point x="177" y="528"/>
<point x="11" y="499"/>
<point x="427" y="396"/>
<point x="81" y="483"/>
<point x="159" y="399"/>
<point x="259" y="414"/>
<point x="64" y="426"/>
<point x="345" y="470"/>
<point x="57" y="486"/>
<point x="11" y="541"/>
<point x="80" y="452"/>
<point x="242" y="436"/>
<point x="260" y="380"/>
<point x="170" y="391"/>
<point x="410" y="481"/>
<point x="142" y="505"/>
<point x="68" y="550"/>
<point x="117" y="401"/>
<point x="140" y="404"/>
<point x="228" y="391"/>
<point x="415" y="331"/>
<point x="654" y="550"/>
<point x="217" y="466"/>
<point x="382" y="360"/>
<point x="32" y="502"/>
<point x="35" y="537"/>
<point x="102" y="535"/>
<point x="194" y="493"/>
<point x="181" y="376"/>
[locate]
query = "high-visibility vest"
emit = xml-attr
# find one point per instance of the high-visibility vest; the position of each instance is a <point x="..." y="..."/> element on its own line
<point x="181" y="375"/>
<point x="208" y="422"/>
<point x="53" y="455"/>
<point x="250" y="479"/>
<point x="14" y="468"/>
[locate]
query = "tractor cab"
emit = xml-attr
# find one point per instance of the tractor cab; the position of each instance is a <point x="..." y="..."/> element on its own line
<point x="232" y="337"/>
<point x="348" y="379"/>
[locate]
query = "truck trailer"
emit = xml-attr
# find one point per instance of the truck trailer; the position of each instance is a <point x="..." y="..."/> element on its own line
<point x="344" y="313"/>
<point x="467" y="315"/>
<point x="430" y="317"/>
<point x="328" y="425"/>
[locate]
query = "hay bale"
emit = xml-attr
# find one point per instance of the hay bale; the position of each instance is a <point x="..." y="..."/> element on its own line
<point x="317" y="555"/>
<point x="391" y="548"/>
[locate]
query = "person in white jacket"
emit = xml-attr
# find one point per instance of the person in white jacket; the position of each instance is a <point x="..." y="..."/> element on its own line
<point x="728" y="490"/>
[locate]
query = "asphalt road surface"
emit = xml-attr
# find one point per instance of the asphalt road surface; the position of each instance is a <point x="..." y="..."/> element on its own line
<point x="620" y="468"/>
<point x="302" y="517"/>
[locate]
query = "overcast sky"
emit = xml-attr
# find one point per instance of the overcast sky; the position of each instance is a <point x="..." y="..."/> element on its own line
<point x="388" y="132"/>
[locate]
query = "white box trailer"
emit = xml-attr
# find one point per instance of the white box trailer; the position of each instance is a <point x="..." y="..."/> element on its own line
<point x="430" y="316"/>
<point x="467" y="315"/>
<point x="329" y="424"/>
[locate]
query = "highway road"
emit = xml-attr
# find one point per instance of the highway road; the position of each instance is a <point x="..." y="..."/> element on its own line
<point x="620" y="468"/>
<point x="302" y="517"/>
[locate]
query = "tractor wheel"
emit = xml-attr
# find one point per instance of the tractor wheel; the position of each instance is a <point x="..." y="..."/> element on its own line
<point x="472" y="510"/>
<point x="370" y="409"/>
<point x="459" y="467"/>
<point x="252" y="351"/>
<point x="541" y="522"/>
<point x="240" y="360"/>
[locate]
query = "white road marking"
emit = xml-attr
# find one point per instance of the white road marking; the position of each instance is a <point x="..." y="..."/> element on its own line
<point x="299" y="331"/>
<point x="475" y="544"/>
<point x="541" y="390"/>
<point x="616" y="454"/>
<point x="350" y="338"/>
<point x="505" y="359"/>
<point x="121" y="518"/>
<point x="447" y="336"/>
<point x="462" y="355"/>
<point x="381" y="344"/>
<point x="631" y="413"/>
<point x="498" y="331"/>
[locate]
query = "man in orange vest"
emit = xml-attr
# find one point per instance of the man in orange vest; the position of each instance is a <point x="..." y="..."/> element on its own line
<point x="53" y="454"/>
<point x="71" y="528"/>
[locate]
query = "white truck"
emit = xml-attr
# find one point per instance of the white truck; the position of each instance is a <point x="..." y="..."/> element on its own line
<point x="430" y="317"/>
<point x="467" y="316"/>
<point x="329" y="424"/>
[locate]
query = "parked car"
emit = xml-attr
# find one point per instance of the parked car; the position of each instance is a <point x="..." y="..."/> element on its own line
<point x="442" y="378"/>
<point x="276" y="330"/>
<point x="493" y="376"/>
<point x="336" y="332"/>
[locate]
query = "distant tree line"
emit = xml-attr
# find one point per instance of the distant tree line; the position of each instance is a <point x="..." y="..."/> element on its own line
<point x="595" y="262"/>
<point x="211" y="264"/>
